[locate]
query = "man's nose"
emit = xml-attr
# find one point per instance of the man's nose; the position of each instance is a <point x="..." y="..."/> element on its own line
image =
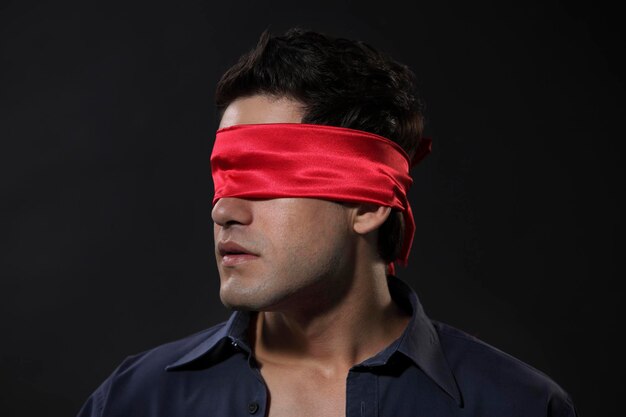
<point x="229" y="211"/>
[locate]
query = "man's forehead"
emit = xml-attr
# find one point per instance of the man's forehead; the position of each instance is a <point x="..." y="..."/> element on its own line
<point x="262" y="109"/>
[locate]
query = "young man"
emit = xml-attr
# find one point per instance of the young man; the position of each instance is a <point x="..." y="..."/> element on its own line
<point x="310" y="165"/>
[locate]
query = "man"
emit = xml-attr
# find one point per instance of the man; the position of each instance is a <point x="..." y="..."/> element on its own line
<point x="310" y="165"/>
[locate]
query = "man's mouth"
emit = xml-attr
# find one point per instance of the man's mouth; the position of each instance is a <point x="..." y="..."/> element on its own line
<point x="233" y="253"/>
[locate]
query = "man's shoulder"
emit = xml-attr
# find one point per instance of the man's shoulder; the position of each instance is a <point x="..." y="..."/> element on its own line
<point x="465" y="352"/>
<point x="484" y="370"/>
<point x="140" y="376"/>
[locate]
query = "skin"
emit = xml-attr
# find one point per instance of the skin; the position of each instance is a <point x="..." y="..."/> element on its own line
<point x="315" y="278"/>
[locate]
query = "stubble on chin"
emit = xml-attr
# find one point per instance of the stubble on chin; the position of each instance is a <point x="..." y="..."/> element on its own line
<point x="236" y="296"/>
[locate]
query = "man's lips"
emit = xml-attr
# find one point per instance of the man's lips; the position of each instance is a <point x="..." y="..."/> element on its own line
<point x="233" y="253"/>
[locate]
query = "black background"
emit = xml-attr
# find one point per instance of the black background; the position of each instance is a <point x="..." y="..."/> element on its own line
<point x="106" y="123"/>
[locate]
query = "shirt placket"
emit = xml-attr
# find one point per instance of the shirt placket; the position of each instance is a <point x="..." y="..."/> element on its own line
<point x="361" y="393"/>
<point x="256" y="404"/>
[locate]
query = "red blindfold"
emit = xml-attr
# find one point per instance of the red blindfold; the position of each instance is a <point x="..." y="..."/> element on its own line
<point x="276" y="160"/>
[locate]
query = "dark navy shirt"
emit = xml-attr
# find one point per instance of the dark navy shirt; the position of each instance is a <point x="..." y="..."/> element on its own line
<point x="432" y="370"/>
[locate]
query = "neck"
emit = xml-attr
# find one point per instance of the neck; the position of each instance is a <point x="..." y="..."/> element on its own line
<point x="362" y="323"/>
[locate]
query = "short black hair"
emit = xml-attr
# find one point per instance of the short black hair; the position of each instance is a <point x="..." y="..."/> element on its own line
<point x="340" y="82"/>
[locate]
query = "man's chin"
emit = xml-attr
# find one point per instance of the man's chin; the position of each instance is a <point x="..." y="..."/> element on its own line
<point x="248" y="302"/>
<point x="244" y="301"/>
<point x="259" y="295"/>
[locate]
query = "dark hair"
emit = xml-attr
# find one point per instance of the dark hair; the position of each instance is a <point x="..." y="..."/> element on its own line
<point x="340" y="82"/>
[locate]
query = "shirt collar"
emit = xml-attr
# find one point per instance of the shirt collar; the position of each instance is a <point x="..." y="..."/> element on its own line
<point x="419" y="342"/>
<point x="233" y="331"/>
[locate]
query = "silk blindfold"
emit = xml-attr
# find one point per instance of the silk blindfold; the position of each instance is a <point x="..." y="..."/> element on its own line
<point x="275" y="160"/>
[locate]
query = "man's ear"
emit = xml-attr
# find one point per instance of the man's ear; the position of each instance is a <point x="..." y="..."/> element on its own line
<point x="369" y="217"/>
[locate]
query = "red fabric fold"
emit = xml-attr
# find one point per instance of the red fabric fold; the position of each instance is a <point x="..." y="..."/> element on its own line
<point x="274" y="160"/>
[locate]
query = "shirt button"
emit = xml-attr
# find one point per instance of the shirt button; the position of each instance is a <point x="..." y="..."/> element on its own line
<point x="253" y="407"/>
